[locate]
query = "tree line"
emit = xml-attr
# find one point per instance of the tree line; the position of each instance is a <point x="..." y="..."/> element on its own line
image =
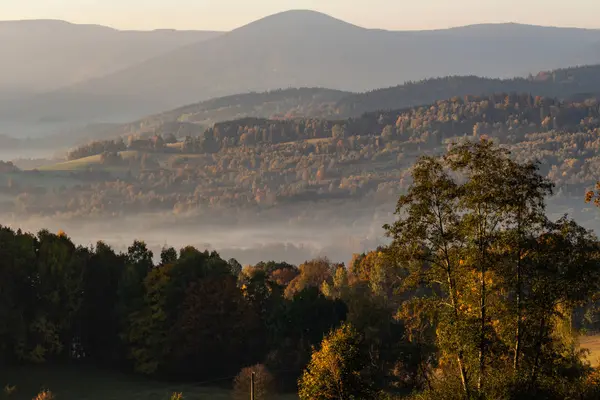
<point x="502" y="114"/>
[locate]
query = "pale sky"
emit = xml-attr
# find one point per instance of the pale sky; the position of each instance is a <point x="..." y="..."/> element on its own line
<point x="230" y="14"/>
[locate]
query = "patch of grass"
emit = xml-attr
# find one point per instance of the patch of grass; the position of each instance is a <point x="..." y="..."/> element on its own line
<point x="592" y="343"/>
<point x="178" y="145"/>
<point x="73" y="165"/>
<point x="89" y="383"/>
<point x="311" y="141"/>
<point x="318" y="140"/>
<point x="83" y="163"/>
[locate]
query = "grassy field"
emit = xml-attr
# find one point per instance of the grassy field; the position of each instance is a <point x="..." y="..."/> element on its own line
<point x="592" y="343"/>
<point x="83" y="163"/>
<point x="178" y="145"/>
<point x="86" y="383"/>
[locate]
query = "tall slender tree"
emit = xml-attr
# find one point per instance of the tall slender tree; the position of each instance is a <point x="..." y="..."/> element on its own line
<point x="429" y="242"/>
<point x="472" y="228"/>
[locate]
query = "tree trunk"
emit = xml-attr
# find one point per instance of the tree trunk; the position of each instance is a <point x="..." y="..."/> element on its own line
<point x="535" y="367"/>
<point x="452" y="292"/>
<point x="459" y="356"/>
<point x="482" y="334"/>
<point x="482" y="306"/>
<point x="463" y="375"/>
<point x="518" y="332"/>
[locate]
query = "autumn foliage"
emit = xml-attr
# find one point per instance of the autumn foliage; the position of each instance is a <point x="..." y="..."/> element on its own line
<point x="479" y="294"/>
<point x="336" y="369"/>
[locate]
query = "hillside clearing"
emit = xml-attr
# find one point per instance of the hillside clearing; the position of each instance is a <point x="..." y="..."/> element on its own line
<point x="83" y="163"/>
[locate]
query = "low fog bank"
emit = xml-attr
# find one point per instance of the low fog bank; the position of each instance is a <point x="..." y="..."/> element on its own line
<point x="24" y="154"/>
<point x="304" y="233"/>
<point x="283" y="233"/>
<point x="46" y="140"/>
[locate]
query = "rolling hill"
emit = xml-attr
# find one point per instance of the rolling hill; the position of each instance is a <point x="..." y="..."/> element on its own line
<point x="309" y="49"/>
<point x="43" y="55"/>
<point x="566" y="83"/>
<point x="572" y="84"/>
<point x="576" y="83"/>
<point x="194" y="118"/>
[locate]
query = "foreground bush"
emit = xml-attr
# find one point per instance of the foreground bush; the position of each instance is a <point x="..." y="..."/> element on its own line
<point x="44" y="395"/>
<point x="264" y="384"/>
<point x="336" y="371"/>
<point x="9" y="390"/>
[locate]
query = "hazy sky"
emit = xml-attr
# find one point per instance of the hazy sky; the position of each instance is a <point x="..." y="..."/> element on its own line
<point x="229" y="14"/>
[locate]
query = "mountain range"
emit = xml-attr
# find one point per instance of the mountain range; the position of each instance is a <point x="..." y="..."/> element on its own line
<point x="291" y="49"/>
<point x="567" y="84"/>
<point x="44" y="55"/>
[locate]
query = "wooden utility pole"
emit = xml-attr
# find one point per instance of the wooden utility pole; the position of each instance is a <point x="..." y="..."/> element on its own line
<point x="252" y="386"/>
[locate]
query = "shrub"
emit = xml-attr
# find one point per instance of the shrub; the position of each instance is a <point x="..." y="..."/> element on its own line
<point x="44" y="395"/>
<point x="264" y="384"/>
<point x="336" y="370"/>
<point x="9" y="390"/>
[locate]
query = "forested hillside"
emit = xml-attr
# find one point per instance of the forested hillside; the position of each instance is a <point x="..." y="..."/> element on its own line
<point x="561" y="83"/>
<point x="277" y="104"/>
<point x="258" y="162"/>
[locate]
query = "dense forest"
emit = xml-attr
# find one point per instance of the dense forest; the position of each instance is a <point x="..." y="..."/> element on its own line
<point x="478" y="296"/>
<point x="256" y="163"/>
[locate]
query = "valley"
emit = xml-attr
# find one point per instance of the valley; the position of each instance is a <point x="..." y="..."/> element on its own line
<point x="245" y="172"/>
<point x="299" y="208"/>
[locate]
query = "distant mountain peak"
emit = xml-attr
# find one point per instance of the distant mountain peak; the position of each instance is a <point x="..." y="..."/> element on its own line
<point x="298" y="13"/>
<point x="303" y="13"/>
<point x="295" y="48"/>
<point x="297" y="19"/>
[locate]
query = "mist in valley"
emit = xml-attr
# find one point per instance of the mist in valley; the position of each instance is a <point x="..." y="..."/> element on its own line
<point x="293" y="234"/>
<point x="31" y="154"/>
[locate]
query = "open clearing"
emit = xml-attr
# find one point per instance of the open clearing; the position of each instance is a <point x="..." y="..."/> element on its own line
<point x="88" y="383"/>
<point x="83" y="163"/>
<point x="592" y="343"/>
